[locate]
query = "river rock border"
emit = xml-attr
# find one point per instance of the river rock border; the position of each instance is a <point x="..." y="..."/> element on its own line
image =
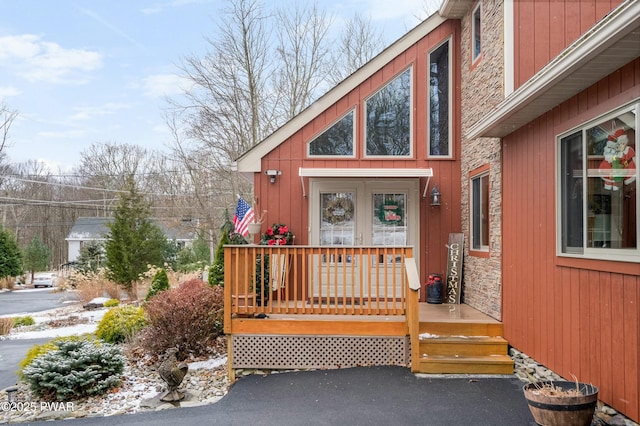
<point x="529" y="370"/>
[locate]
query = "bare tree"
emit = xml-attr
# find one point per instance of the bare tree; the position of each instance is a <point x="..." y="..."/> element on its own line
<point x="429" y="7"/>
<point x="105" y="167"/>
<point x="7" y="116"/>
<point x="228" y="105"/>
<point x="248" y="84"/>
<point x="205" y="191"/>
<point x="229" y="108"/>
<point x="36" y="203"/>
<point x="303" y="51"/>
<point x="359" y="43"/>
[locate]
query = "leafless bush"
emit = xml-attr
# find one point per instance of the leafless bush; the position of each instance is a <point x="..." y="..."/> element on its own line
<point x="5" y="325"/>
<point x="92" y="285"/>
<point x="7" y="282"/>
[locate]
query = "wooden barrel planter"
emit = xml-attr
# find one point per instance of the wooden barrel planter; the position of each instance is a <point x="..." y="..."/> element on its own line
<point x="561" y="403"/>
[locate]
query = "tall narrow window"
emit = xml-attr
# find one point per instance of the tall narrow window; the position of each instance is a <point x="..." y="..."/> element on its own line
<point x="337" y="140"/>
<point x="598" y="180"/>
<point x="388" y="118"/>
<point x="476" y="33"/>
<point x="480" y="212"/>
<point x="439" y="94"/>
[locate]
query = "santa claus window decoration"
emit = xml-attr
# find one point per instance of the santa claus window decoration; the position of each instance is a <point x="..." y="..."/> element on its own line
<point x="599" y="193"/>
<point x="618" y="166"/>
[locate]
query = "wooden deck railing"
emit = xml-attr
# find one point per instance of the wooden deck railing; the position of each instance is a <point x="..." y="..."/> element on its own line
<point x="413" y="316"/>
<point x="316" y="280"/>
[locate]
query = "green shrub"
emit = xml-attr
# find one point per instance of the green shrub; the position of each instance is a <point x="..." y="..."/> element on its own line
<point x="120" y="324"/>
<point x="75" y="369"/>
<point x="189" y="317"/>
<point x="111" y="303"/>
<point x="23" y="321"/>
<point x="216" y="271"/>
<point x="37" y="350"/>
<point x="159" y="283"/>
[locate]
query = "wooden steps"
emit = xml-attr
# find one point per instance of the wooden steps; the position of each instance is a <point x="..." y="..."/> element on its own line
<point x="461" y="344"/>
<point x="439" y="364"/>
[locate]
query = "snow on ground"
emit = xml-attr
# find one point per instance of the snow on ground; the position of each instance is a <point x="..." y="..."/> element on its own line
<point x="54" y="332"/>
<point x="88" y="319"/>
<point x="208" y="364"/>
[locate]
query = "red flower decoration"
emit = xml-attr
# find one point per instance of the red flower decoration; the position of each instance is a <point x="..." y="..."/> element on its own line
<point x="277" y="235"/>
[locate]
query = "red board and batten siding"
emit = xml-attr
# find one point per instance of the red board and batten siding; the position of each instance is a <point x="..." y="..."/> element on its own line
<point x="576" y="316"/>
<point x="543" y="29"/>
<point x="284" y="199"/>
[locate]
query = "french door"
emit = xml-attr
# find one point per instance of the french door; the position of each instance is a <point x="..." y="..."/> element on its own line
<point x="360" y="213"/>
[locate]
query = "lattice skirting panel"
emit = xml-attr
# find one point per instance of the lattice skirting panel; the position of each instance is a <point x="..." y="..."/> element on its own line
<point x="288" y="352"/>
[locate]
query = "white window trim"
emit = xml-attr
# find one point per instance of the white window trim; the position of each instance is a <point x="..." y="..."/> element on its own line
<point x="509" y="50"/>
<point x="478" y="9"/>
<point x="318" y="134"/>
<point x="609" y="254"/>
<point x="364" y="119"/>
<point x="450" y="101"/>
<point x="483" y="248"/>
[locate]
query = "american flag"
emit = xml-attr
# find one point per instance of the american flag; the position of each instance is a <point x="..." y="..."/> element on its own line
<point x="242" y="217"/>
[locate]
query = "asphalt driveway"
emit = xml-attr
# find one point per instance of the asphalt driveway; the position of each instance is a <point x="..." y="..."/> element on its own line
<point x="354" y="396"/>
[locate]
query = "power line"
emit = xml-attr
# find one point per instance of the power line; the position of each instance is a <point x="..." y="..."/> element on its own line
<point x="84" y="187"/>
<point x="80" y="202"/>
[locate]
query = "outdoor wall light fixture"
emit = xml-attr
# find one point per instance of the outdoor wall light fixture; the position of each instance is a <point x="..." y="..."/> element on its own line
<point x="435" y="196"/>
<point x="272" y="174"/>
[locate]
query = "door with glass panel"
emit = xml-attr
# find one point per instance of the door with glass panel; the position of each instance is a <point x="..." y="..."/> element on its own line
<point x="356" y="214"/>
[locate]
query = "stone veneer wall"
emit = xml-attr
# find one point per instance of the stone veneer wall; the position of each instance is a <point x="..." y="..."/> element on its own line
<point x="482" y="89"/>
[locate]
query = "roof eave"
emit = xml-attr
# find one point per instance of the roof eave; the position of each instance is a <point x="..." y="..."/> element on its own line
<point x="455" y="9"/>
<point x="609" y="45"/>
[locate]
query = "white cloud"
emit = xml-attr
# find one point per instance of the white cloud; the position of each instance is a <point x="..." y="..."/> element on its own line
<point x="37" y="60"/>
<point x="161" y="7"/>
<point x="160" y="85"/>
<point x="8" y="91"/>
<point x="18" y="47"/>
<point x="66" y="134"/>
<point x="89" y="112"/>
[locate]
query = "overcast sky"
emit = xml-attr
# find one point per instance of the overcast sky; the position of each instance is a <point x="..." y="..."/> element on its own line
<point x="81" y="72"/>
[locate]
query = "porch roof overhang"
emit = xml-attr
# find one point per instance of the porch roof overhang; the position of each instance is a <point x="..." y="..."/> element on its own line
<point x="336" y="172"/>
<point x="364" y="172"/>
<point x="610" y="44"/>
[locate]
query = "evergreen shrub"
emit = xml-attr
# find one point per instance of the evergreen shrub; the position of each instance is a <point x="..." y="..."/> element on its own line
<point x="37" y="350"/>
<point x="75" y="369"/>
<point x="111" y="303"/>
<point x="160" y="282"/>
<point x="120" y="324"/>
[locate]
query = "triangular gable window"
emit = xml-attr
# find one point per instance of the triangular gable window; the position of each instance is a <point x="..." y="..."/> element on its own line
<point x="337" y="140"/>
<point x="388" y="118"/>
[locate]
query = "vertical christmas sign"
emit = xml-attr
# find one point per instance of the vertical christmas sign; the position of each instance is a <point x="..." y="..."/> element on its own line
<point x="455" y="253"/>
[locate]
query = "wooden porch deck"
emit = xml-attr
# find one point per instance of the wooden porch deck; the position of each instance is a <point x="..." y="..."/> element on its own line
<point x="444" y="313"/>
<point x="453" y="338"/>
<point x="363" y="309"/>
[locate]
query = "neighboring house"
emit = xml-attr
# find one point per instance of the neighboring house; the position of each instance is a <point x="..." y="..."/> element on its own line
<point x="524" y="114"/>
<point x="95" y="229"/>
<point x="86" y="230"/>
